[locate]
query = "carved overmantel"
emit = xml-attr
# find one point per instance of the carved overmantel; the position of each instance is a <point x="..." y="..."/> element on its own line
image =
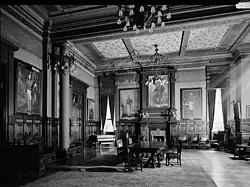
<point x="166" y="70"/>
<point x="154" y="124"/>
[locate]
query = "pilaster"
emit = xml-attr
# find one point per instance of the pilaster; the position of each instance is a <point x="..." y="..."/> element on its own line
<point x="46" y="45"/>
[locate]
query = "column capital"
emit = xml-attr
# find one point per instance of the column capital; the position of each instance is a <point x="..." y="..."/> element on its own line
<point x="62" y="60"/>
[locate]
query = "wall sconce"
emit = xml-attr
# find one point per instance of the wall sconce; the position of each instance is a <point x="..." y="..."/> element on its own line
<point x="145" y="115"/>
<point x="167" y="114"/>
<point x="142" y="115"/>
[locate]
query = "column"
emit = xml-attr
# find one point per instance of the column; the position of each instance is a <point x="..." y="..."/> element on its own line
<point x="138" y="126"/>
<point x="46" y="42"/>
<point x="64" y="103"/>
<point x="54" y="86"/>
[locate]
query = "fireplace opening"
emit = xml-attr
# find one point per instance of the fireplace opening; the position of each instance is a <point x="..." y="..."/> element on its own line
<point x="158" y="135"/>
<point x="158" y="138"/>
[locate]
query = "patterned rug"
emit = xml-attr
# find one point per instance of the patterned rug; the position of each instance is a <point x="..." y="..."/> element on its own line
<point x="190" y="174"/>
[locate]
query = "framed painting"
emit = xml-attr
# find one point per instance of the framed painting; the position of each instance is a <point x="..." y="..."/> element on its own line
<point x="91" y="109"/>
<point x="191" y="106"/>
<point x="158" y="92"/>
<point x="128" y="103"/>
<point x="28" y="89"/>
<point x="248" y="111"/>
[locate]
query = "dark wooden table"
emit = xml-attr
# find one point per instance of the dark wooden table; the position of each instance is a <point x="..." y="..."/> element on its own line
<point x="244" y="150"/>
<point x="149" y="147"/>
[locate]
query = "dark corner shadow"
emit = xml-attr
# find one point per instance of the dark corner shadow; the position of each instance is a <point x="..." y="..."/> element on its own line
<point x="103" y="169"/>
<point x="25" y="179"/>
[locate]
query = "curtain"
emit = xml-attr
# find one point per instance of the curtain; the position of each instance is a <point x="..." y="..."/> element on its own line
<point x="112" y="106"/>
<point x="107" y="89"/>
<point x="211" y="104"/>
<point x="104" y="99"/>
<point x="224" y="105"/>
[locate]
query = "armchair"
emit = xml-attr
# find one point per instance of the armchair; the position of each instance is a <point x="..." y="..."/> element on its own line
<point x="176" y="154"/>
<point x="204" y="143"/>
<point x="183" y="140"/>
<point x="193" y="143"/>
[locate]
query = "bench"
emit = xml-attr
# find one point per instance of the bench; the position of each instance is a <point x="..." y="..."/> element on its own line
<point x="106" y="140"/>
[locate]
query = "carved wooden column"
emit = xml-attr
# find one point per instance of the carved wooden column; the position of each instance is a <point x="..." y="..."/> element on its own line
<point x="54" y="79"/>
<point x="138" y="125"/>
<point x="46" y="44"/>
<point x="172" y="89"/>
<point x="64" y="102"/>
<point x="7" y="50"/>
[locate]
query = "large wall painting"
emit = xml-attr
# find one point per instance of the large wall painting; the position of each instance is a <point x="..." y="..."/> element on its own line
<point x="158" y="93"/>
<point x="28" y="90"/>
<point x="191" y="106"/>
<point x="129" y="103"/>
<point x="91" y="109"/>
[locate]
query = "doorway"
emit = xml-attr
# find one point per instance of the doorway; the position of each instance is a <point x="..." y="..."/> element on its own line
<point x="3" y="114"/>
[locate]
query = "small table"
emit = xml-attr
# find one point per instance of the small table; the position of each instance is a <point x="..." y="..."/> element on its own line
<point x="243" y="150"/>
<point x="149" y="147"/>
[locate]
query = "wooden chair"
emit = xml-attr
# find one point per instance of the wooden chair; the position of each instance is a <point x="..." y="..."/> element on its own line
<point x="183" y="140"/>
<point x="236" y="150"/>
<point x="204" y="143"/>
<point x="131" y="158"/>
<point x="175" y="154"/>
<point x="193" y="143"/>
<point x="119" y="149"/>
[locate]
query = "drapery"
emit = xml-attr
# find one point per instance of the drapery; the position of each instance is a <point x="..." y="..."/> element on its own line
<point x="103" y="107"/>
<point x="224" y="105"/>
<point x="107" y="89"/>
<point x="112" y="106"/>
<point x="211" y="104"/>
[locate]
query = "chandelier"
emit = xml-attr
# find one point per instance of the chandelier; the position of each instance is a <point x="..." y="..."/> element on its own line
<point x="142" y="17"/>
<point x="155" y="59"/>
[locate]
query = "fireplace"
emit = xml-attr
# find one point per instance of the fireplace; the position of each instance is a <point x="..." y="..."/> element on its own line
<point x="158" y="135"/>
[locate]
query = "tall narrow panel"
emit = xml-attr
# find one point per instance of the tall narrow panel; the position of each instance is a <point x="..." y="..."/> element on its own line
<point x="167" y="42"/>
<point x="112" y="48"/>
<point x="205" y="38"/>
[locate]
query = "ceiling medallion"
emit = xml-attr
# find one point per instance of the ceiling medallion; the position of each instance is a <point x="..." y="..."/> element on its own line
<point x="142" y="17"/>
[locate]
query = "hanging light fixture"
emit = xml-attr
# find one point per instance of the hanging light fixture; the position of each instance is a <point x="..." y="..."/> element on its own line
<point x="155" y="59"/>
<point x="142" y="17"/>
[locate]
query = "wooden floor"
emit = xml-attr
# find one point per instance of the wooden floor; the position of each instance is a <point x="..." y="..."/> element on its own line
<point x="222" y="168"/>
<point x="199" y="168"/>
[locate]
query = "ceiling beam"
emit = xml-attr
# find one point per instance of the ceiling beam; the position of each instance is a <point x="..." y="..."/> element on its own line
<point x="182" y="25"/>
<point x="82" y="8"/>
<point x="184" y="42"/>
<point x="59" y="7"/>
<point x="130" y="49"/>
<point x="232" y="35"/>
<point x="244" y="32"/>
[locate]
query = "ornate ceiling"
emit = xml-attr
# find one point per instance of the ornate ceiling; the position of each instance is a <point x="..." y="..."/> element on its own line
<point x="167" y="43"/>
<point x="112" y="48"/>
<point x="206" y="38"/>
<point x="194" y="33"/>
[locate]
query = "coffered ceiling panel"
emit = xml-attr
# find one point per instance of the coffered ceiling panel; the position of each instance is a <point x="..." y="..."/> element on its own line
<point x="205" y="38"/>
<point x="112" y="48"/>
<point x="167" y="43"/>
<point x="246" y="39"/>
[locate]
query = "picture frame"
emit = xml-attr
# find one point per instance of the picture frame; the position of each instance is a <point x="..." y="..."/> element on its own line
<point x="91" y="110"/>
<point x="248" y="111"/>
<point x="191" y="103"/>
<point x="128" y="103"/>
<point x="158" y="94"/>
<point x="28" y="85"/>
